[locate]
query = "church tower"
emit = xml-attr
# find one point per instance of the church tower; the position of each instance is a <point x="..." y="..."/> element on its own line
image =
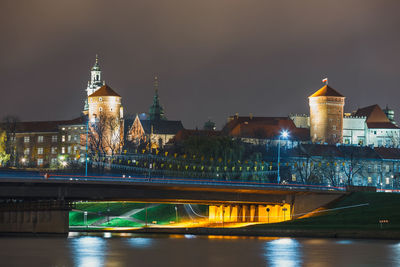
<point x="94" y="84"/>
<point x="156" y="111"/>
<point x="326" y="116"/>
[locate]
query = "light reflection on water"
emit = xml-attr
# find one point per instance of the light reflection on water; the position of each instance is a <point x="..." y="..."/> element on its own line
<point x="129" y="249"/>
<point x="283" y="252"/>
<point x="140" y="242"/>
<point x="88" y="251"/>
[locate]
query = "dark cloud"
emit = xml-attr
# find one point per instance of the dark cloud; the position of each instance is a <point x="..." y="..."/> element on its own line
<point x="214" y="57"/>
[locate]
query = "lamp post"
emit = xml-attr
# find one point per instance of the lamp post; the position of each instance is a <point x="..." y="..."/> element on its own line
<point x="176" y="214"/>
<point x="87" y="137"/>
<point x="284" y="134"/>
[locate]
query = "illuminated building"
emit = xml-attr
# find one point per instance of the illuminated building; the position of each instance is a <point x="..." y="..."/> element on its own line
<point x="264" y="130"/>
<point x="94" y="84"/>
<point x="326" y="116"/>
<point x="43" y="143"/>
<point x="153" y="126"/>
<point x="106" y="118"/>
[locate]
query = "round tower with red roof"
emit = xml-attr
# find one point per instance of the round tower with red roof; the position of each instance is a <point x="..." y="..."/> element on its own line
<point x="326" y="116"/>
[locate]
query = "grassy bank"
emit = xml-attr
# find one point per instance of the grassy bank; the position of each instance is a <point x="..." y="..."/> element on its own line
<point x="342" y="216"/>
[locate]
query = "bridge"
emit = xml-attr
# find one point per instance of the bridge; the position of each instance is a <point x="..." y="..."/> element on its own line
<point x="237" y="199"/>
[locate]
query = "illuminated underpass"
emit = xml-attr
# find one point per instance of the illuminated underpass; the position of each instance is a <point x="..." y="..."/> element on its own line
<point x="99" y="215"/>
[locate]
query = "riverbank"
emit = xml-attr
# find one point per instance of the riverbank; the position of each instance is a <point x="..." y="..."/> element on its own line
<point x="328" y="233"/>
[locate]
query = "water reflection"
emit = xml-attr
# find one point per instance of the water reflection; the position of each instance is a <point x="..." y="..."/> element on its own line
<point x="283" y="252"/>
<point x="88" y="251"/>
<point x="396" y="254"/>
<point x="140" y="242"/>
<point x="344" y="242"/>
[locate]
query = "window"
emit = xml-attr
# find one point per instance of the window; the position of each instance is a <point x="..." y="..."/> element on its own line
<point x="69" y="150"/>
<point x="75" y="137"/>
<point x="379" y="142"/>
<point x="40" y="151"/>
<point x="69" y="138"/>
<point x="387" y="168"/>
<point x="334" y="127"/>
<point x="40" y="139"/>
<point x="63" y="138"/>
<point x="100" y="99"/>
<point x="369" y="168"/>
<point x="378" y="168"/>
<point x="387" y="180"/>
<point x="370" y="180"/>
<point x="26" y="139"/>
<point x="40" y="162"/>
<point x="54" y="161"/>
<point x="63" y="150"/>
<point x="26" y="151"/>
<point x="294" y="177"/>
<point x="54" y="139"/>
<point x="54" y="150"/>
<point x="100" y="109"/>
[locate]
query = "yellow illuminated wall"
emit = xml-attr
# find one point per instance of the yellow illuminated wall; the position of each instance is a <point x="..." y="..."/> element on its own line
<point x="326" y="119"/>
<point x="249" y="213"/>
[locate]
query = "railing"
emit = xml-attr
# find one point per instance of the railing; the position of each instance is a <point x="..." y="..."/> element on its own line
<point x="178" y="181"/>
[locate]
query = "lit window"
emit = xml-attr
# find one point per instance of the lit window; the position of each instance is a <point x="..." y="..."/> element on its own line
<point x="26" y="139"/>
<point x="54" y="150"/>
<point x="370" y="180"/>
<point x="63" y="138"/>
<point x="40" y="151"/>
<point x="40" y="139"/>
<point x="75" y="137"/>
<point x="387" y="180"/>
<point x="54" y="138"/>
<point x="69" y="138"/>
<point x="63" y="128"/>
<point x="26" y="151"/>
<point x="63" y="150"/>
<point x="40" y="162"/>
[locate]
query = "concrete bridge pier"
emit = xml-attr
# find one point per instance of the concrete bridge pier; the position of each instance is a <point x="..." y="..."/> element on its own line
<point x="36" y="217"/>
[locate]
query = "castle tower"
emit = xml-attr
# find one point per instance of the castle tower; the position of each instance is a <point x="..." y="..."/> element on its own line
<point x="95" y="82"/>
<point x="105" y="114"/>
<point x="156" y="111"/>
<point x="326" y="116"/>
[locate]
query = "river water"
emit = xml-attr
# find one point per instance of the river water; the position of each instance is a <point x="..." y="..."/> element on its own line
<point x="187" y="250"/>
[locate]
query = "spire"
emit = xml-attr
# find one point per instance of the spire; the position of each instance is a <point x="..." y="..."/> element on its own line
<point x="96" y="65"/>
<point x="156" y="111"/>
<point x="156" y="85"/>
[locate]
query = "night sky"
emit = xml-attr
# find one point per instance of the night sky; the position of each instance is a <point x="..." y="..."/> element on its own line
<point x="213" y="57"/>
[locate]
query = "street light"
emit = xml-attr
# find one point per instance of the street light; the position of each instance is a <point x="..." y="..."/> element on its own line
<point x="176" y="214"/>
<point x="284" y="135"/>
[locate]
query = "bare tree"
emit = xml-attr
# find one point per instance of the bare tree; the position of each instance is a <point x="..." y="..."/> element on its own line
<point x="352" y="165"/>
<point x="105" y="137"/>
<point x="9" y="125"/>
